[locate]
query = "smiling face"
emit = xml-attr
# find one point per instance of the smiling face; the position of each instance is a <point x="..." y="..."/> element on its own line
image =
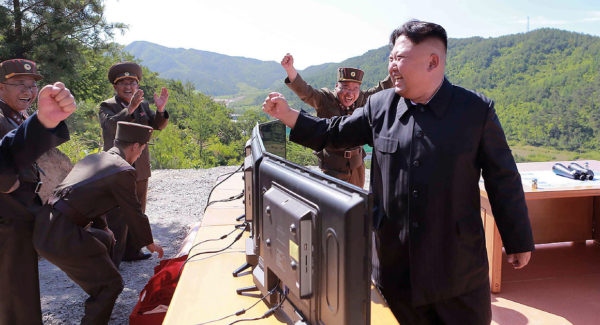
<point x="125" y="88"/>
<point x="18" y="92"/>
<point x="416" y="70"/>
<point x="347" y="92"/>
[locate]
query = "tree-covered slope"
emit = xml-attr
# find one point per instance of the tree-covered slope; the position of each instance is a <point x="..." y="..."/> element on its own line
<point x="211" y="73"/>
<point x="546" y="84"/>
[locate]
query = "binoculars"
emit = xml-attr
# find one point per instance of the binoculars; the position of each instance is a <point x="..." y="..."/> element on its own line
<point x="574" y="171"/>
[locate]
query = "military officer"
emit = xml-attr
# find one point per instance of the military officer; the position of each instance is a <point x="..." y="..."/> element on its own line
<point x="72" y="233"/>
<point x="346" y="164"/>
<point x="19" y="181"/>
<point x="128" y="105"/>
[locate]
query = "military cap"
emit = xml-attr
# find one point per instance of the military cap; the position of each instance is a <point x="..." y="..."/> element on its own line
<point x="124" y="70"/>
<point x="350" y="74"/>
<point x="133" y="132"/>
<point x="18" y="67"/>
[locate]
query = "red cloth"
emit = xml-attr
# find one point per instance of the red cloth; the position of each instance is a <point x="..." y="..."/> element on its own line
<point x="158" y="291"/>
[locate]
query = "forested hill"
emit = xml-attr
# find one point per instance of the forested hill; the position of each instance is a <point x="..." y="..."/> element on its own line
<point x="211" y="73"/>
<point x="546" y="83"/>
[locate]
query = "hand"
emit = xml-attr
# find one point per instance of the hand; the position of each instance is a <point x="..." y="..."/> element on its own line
<point x="55" y="104"/>
<point x="288" y="64"/>
<point x="519" y="260"/>
<point x="276" y="106"/>
<point x="111" y="234"/>
<point x="137" y="98"/>
<point x="155" y="248"/>
<point x="162" y="100"/>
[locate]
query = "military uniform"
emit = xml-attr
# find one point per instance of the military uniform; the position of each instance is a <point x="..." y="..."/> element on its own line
<point x="19" y="283"/>
<point x="20" y="293"/>
<point x="112" y="111"/>
<point x="70" y="232"/>
<point x="346" y="164"/>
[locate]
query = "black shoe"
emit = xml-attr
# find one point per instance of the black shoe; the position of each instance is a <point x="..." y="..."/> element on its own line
<point x="137" y="257"/>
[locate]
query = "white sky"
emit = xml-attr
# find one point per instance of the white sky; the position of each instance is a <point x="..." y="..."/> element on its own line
<point x="323" y="31"/>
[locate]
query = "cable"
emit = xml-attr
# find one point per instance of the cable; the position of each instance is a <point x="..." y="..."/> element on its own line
<point x="265" y="315"/>
<point x="219" y="183"/>
<point x="243" y="311"/>
<point x="231" y="198"/>
<point x="209" y="252"/>
<point x="214" y="239"/>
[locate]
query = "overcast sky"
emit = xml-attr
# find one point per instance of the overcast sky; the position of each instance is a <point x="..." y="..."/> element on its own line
<point x="323" y="31"/>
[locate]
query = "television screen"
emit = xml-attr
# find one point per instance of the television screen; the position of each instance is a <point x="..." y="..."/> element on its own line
<point x="311" y="234"/>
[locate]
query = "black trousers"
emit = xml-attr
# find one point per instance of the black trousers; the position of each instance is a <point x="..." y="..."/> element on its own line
<point x="473" y="308"/>
<point x="84" y="256"/>
<point x="19" y="282"/>
<point x="392" y="277"/>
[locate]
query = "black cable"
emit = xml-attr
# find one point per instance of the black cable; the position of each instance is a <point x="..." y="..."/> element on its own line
<point x="209" y="252"/>
<point x="268" y="313"/>
<point x="219" y="183"/>
<point x="231" y="198"/>
<point x="243" y="311"/>
<point x="213" y="239"/>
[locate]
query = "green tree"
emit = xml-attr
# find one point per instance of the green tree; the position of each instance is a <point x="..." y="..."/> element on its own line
<point x="54" y="33"/>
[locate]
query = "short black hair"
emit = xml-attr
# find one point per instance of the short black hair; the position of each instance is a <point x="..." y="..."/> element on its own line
<point x="417" y="31"/>
<point x="123" y="144"/>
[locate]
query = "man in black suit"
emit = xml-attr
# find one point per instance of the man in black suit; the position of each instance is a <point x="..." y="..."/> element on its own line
<point x="432" y="140"/>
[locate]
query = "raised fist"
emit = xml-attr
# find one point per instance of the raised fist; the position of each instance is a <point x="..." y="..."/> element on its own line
<point x="55" y="104"/>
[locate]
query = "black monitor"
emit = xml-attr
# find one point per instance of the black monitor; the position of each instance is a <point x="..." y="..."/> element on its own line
<point x="311" y="235"/>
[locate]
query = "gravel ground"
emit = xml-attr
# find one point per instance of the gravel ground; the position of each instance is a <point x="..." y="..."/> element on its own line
<point x="176" y="199"/>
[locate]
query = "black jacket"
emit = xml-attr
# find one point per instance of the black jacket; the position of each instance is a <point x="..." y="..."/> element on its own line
<point x="427" y="162"/>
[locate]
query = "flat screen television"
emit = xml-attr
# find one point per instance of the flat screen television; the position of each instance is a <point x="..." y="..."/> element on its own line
<point x="311" y="234"/>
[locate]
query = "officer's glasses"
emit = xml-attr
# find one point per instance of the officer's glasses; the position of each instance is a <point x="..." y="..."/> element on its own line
<point x="23" y="87"/>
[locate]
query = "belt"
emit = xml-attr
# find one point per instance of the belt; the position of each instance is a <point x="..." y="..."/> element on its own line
<point x="75" y="216"/>
<point x="36" y="186"/>
<point x="349" y="153"/>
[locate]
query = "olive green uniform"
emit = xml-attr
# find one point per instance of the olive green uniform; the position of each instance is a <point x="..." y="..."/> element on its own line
<point x="69" y="231"/>
<point x="345" y="164"/>
<point x="110" y="113"/>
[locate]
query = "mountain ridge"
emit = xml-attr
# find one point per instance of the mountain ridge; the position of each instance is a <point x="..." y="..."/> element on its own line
<point x="545" y="83"/>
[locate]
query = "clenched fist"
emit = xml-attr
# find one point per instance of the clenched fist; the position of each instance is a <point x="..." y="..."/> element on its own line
<point x="288" y="64"/>
<point x="277" y="106"/>
<point x="55" y="104"/>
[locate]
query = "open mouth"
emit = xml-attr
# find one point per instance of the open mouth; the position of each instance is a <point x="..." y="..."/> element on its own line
<point x="397" y="78"/>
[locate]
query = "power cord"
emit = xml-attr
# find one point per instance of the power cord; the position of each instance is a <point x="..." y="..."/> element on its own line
<point x="243" y="311"/>
<point x="268" y="313"/>
<point x="242" y="225"/>
<point x="219" y="183"/>
<point x="209" y="252"/>
<point x="231" y="198"/>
